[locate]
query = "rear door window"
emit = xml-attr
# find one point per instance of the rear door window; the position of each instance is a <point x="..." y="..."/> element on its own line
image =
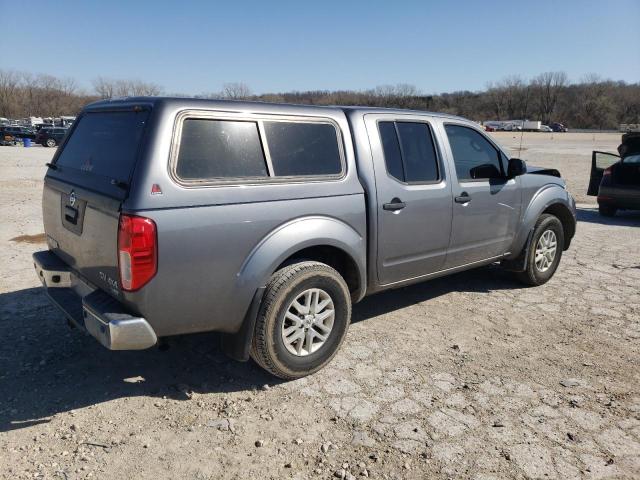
<point x="409" y="151"/>
<point x="105" y="144"/>
<point x="303" y="149"/>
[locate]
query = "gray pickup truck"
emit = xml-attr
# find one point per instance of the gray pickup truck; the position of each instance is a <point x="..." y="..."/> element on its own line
<point x="265" y="222"/>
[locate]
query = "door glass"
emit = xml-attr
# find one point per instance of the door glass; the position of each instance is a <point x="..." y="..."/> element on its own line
<point x="605" y="160"/>
<point x="391" y="147"/>
<point x="409" y="151"/>
<point x="474" y="156"/>
<point x="418" y="152"/>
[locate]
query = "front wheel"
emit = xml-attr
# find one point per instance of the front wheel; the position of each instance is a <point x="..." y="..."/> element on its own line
<point x="50" y="142"/>
<point x="303" y="319"/>
<point x="545" y="251"/>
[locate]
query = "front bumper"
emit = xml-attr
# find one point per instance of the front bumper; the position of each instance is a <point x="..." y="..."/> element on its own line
<point x="91" y="309"/>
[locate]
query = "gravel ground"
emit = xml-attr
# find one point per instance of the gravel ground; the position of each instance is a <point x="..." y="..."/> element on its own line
<point x="470" y="376"/>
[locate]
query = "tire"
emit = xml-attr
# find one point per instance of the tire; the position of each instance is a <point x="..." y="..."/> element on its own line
<point x="278" y="315"/>
<point x="538" y="273"/>
<point x="50" y="142"/>
<point x="606" y="210"/>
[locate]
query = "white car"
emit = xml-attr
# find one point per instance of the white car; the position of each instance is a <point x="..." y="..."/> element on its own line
<point x="545" y="128"/>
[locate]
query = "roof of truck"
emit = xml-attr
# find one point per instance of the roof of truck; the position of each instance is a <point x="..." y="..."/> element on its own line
<point x="245" y="104"/>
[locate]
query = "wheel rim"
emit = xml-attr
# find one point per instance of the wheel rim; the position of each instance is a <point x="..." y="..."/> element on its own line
<point x="50" y="143"/>
<point x="546" y="250"/>
<point x="308" y="322"/>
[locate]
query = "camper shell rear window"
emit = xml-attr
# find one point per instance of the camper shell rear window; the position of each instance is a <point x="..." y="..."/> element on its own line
<point x="105" y="144"/>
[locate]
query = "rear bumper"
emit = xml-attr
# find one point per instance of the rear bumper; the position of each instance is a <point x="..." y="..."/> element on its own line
<point x="619" y="197"/>
<point x="91" y="309"/>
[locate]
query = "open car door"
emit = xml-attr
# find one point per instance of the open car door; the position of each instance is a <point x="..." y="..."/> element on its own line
<point x="600" y="161"/>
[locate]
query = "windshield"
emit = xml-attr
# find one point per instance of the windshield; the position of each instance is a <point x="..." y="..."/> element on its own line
<point x="105" y="144"/>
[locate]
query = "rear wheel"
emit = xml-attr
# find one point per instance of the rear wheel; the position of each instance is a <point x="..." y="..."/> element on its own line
<point x="303" y="319"/>
<point x="50" y="142"/>
<point x="607" y="210"/>
<point x="544" y="252"/>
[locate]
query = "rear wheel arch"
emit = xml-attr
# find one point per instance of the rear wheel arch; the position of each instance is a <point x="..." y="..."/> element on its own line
<point x="336" y="258"/>
<point x="322" y="239"/>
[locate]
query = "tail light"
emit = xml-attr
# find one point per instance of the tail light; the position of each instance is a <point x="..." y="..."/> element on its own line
<point x="607" y="172"/>
<point x="137" y="251"/>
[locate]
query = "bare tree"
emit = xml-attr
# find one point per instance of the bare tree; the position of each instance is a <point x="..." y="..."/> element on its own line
<point x="9" y="84"/>
<point x="109" y="88"/>
<point x="235" y="91"/>
<point x="547" y="87"/>
<point x="104" y="87"/>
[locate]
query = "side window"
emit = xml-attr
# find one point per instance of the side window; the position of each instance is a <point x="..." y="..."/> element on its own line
<point x="474" y="156"/>
<point x="303" y="149"/>
<point x="391" y="148"/>
<point x="409" y="152"/>
<point x="220" y="149"/>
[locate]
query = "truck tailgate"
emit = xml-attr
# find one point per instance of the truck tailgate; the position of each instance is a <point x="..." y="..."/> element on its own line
<point x="85" y="187"/>
<point x="82" y="229"/>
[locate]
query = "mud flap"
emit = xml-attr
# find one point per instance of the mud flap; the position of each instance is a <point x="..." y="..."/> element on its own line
<point x="519" y="264"/>
<point x="238" y="345"/>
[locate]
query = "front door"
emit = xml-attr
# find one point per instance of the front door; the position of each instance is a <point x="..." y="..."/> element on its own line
<point x="600" y="161"/>
<point x="413" y="197"/>
<point x="486" y="205"/>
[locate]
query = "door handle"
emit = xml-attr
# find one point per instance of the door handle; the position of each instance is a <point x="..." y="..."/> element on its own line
<point x="463" y="198"/>
<point x="70" y="214"/>
<point x="395" y="204"/>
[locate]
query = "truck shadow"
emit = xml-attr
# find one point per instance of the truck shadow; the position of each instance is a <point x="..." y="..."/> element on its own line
<point x="47" y="368"/>
<point x="625" y="218"/>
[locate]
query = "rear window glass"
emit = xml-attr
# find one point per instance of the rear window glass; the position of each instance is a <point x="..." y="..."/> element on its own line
<point x="105" y="143"/>
<point x="303" y="149"/>
<point x="220" y="149"/>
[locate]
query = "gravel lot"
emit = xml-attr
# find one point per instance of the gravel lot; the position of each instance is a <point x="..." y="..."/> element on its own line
<point x="470" y="376"/>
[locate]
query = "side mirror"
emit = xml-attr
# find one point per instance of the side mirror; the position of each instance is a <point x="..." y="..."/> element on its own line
<point x="516" y="167"/>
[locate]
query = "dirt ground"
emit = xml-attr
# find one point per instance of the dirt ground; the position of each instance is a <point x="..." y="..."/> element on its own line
<point x="469" y="376"/>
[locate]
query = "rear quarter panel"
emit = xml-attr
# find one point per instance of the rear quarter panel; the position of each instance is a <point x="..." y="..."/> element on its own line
<point x="218" y="244"/>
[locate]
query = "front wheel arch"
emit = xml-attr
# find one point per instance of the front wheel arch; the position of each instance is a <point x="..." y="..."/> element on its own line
<point x="566" y="219"/>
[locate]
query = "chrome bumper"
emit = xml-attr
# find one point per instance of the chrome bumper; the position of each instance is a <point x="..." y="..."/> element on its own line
<point x="91" y="309"/>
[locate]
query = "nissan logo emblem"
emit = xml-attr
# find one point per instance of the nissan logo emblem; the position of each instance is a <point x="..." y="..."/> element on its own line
<point x="72" y="198"/>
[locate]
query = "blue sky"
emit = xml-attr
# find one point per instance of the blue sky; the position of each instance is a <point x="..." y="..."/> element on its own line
<point x="193" y="47"/>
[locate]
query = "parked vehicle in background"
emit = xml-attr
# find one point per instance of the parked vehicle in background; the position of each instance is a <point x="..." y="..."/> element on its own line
<point x="66" y="120"/>
<point x="531" y="125"/>
<point x="265" y="222"/>
<point x="50" y="136"/>
<point x="629" y="127"/>
<point x="18" y="132"/>
<point x="615" y="179"/>
<point x="31" y="122"/>
<point x="558" y="127"/>
<point x="545" y="128"/>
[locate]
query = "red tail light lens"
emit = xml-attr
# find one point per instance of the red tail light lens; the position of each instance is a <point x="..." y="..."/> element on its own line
<point x="606" y="172"/>
<point x="137" y="251"/>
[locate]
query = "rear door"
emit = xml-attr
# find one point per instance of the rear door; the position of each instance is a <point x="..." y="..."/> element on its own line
<point x="413" y="197"/>
<point x="85" y="188"/>
<point x="600" y="161"/>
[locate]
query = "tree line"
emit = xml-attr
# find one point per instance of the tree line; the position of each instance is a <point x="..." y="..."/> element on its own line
<point x="591" y="102"/>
